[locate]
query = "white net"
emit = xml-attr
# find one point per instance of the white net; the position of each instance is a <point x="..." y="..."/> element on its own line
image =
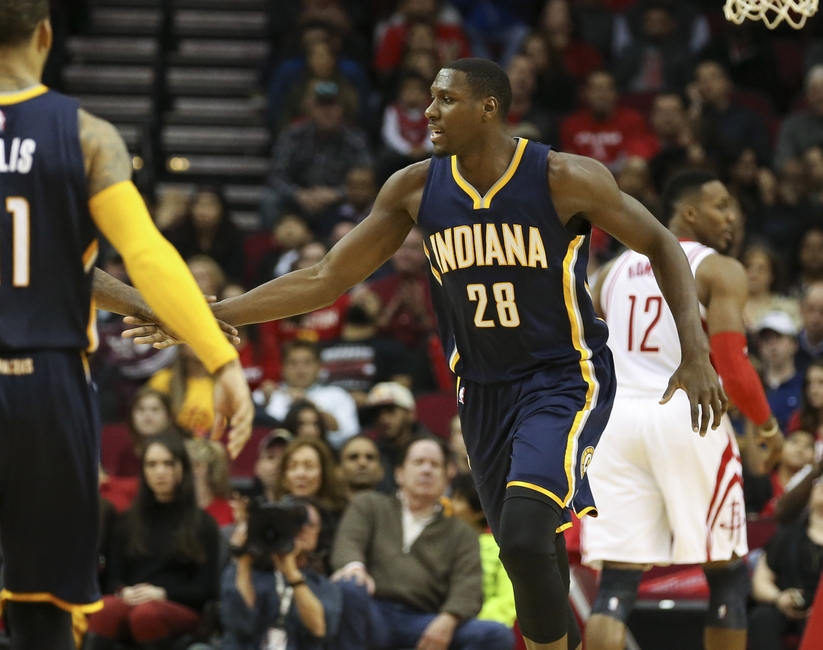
<point x="771" y="12"/>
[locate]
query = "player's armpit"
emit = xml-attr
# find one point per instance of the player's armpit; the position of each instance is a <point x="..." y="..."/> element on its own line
<point x="105" y="156"/>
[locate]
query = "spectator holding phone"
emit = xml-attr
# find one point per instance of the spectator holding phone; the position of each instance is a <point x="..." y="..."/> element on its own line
<point x="786" y="577"/>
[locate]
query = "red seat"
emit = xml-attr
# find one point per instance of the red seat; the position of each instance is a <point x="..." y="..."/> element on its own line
<point x="114" y="440"/>
<point x="243" y="465"/>
<point x="435" y="411"/>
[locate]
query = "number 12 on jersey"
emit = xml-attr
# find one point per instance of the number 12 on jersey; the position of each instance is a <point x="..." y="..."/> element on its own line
<point x="644" y="343"/>
<point x="503" y="293"/>
<point x="18" y="207"/>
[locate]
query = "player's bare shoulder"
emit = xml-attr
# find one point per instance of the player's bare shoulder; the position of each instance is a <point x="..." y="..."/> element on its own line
<point x="404" y="189"/>
<point x="105" y="156"/>
<point x="578" y="183"/>
<point x="720" y="274"/>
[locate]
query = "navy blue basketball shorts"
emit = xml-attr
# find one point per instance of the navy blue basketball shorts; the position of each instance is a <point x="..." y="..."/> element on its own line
<point x="49" y="440"/>
<point x="537" y="434"/>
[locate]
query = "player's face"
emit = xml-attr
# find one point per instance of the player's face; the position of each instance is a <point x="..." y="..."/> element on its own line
<point x="714" y="220"/>
<point x="455" y="114"/>
<point x="304" y="472"/>
<point x="423" y="473"/>
<point x="163" y="472"/>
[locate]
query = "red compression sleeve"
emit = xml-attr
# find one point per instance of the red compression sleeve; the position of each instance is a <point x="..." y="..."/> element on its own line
<point x="740" y="381"/>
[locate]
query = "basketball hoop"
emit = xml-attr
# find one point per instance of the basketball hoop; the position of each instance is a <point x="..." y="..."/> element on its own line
<point x="771" y="12"/>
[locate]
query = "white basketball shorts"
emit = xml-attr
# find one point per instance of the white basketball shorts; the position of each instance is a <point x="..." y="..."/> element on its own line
<point x="664" y="494"/>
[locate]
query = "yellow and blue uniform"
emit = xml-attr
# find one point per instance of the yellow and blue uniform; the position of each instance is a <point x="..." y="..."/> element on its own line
<point x="535" y="378"/>
<point x="49" y="425"/>
<point x="49" y="429"/>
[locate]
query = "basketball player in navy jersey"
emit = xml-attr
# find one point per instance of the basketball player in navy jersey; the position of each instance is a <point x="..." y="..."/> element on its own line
<point x="505" y="224"/>
<point x="63" y="175"/>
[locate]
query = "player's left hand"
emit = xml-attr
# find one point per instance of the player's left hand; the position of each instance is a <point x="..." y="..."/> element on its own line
<point x="698" y="379"/>
<point x="232" y="403"/>
<point x="160" y="337"/>
<point x="438" y="634"/>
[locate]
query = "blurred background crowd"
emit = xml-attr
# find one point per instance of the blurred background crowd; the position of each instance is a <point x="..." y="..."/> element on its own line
<point x="261" y="132"/>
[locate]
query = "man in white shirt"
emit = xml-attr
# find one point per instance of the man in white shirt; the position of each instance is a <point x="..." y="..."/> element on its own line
<point x="301" y="370"/>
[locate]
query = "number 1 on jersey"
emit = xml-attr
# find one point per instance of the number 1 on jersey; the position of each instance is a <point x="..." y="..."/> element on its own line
<point x="504" y="298"/>
<point x="20" y="235"/>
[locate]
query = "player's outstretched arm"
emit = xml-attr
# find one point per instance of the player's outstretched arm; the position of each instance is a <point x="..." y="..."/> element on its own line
<point x="352" y="260"/>
<point x="158" y="272"/>
<point x="584" y="186"/>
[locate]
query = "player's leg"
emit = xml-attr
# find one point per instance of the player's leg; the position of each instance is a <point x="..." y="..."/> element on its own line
<point x="35" y="626"/>
<point x="48" y="499"/>
<point x="528" y="550"/>
<point x="726" y="622"/>
<point x="616" y="596"/>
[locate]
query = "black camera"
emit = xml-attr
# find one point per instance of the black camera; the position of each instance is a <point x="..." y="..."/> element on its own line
<point x="273" y="526"/>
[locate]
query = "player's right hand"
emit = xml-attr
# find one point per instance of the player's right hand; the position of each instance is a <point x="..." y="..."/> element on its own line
<point x="232" y="404"/>
<point x="160" y="337"/>
<point x="698" y="379"/>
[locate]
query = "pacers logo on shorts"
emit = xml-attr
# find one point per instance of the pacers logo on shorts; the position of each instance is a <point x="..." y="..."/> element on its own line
<point x="585" y="459"/>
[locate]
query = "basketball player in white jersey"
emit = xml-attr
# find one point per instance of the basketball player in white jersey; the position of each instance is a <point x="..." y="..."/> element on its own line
<point x="664" y="494"/>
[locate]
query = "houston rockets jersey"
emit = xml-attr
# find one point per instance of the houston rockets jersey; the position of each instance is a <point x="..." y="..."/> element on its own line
<point x="642" y="332"/>
<point x="508" y="278"/>
<point x="48" y="240"/>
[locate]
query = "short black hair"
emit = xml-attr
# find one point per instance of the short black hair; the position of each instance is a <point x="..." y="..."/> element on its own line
<point x="19" y="18"/>
<point x="487" y="79"/>
<point x="682" y="184"/>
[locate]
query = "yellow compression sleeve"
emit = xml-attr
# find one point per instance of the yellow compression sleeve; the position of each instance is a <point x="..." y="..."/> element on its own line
<point x="159" y="273"/>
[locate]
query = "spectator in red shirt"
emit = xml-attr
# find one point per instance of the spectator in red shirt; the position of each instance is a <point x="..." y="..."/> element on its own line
<point x="210" y="468"/>
<point x="603" y="130"/>
<point x="405" y="131"/>
<point x="391" y="38"/>
<point x="407" y="314"/>
<point x="579" y="58"/>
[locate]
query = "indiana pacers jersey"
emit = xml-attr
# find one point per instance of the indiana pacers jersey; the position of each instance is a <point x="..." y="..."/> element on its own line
<point x="47" y="238"/>
<point x="508" y="278"/>
<point x="642" y="332"/>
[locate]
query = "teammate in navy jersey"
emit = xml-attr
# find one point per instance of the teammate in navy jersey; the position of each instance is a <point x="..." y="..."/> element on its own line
<point x="506" y="224"/>
<point x="63" y="175"/>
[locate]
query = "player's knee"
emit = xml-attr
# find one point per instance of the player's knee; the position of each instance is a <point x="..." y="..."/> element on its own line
<point x="527" y="536"/>
<point x="729" y="587"/>
<point x="617" y="593"/>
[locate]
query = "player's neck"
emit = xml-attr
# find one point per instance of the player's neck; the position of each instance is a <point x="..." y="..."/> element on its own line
<point x="681" y="230"/>
<point x="484" y="165"/>
<point x="17" y="72"/>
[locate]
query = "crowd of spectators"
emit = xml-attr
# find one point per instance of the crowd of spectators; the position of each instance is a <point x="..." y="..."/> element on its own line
<point x="394" y="541"/>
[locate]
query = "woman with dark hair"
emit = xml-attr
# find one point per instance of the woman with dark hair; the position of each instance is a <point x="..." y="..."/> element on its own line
<point x="150" y="414"/>
<point x="207" y="230"/>
<point x="308" y="469"/>
<point x="809" y="417"/>
<point x="163" y="564"/>
<point x="304" y="420"/>
<point x="765" y="276"/>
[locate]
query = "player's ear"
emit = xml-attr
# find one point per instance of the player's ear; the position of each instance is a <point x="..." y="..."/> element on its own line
<point x="490" y="108"/>
<point x="43" y="35"/>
